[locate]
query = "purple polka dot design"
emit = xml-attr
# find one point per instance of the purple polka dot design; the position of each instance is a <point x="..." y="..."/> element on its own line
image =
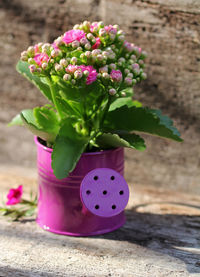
<point x="104" y="192"/>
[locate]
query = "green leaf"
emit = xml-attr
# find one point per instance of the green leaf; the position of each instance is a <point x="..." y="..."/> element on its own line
<point x="47" y="119"/>
<point x="39" y="82"/>
<point x="17" y="120"/>
<point x="143" y="120"/>
<point x="69" y="107"/>
<point x="68" y="147"/>
<point x="108" y="140"/>
<point x="30" y="122"/>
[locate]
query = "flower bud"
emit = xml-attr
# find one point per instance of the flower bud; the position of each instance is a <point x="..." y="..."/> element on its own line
<point x="59" y="41"/>
<point x="31" y="60"/>
<point x="55" y="53"/>
<point x="143" y="76"/>
<point x="76" y="27"/>
<point x="88" y="46"/>
<point x="73" y="82"/>
<point x="78" y="74"/>
<point x="102" y="32"/>
<point x="105" y="53"/>
<point x="39" y="70"/>
<point x="24" y="53"/>
<point x="63" y="62"/>
<point x="100" y="57"/>
<point x="103" y="69"/>
<point x="73" y="60"/>
<point x="112" y="91"/>
<point x="105" y="75"/>
<point x="130" y="75"/>
<point x="86" y="24"/>
<point x="82" y="55"/>
<point x="32" y="68"/>
<point x="86" y="72"/>
<point x="122" y="60"/>
<point x="79" y="48"/>
<point x="40" y="44"/>
<point x="67" y="77"/>
<point x="44" y="66"/>
<point x="121" y="38"/>
<point x="126" y="71"/>
<point x="24" y="58"/>
<point x="88" y="54"/>
<point x="116" y="26"/>
<point x="96" y="52"/>
<point x="84" y="41"/>
<point x="31" y="50"/>
<point x="143" y="55"/>
<point x="128" y="81"/>
<point x="123" y="94"/>
<point x="90" y="36"/>
<point x="95" y="29"/>
<point x="58" y="67"/>
<point x="75" y="44"/>
<point x="121" y="32"/>
<point x="134" y="81"/>
<point x="112" y="66"/>
<point x="112" y="36"/>
<point x="45" y="47"/>
<point x="101" y="24"/>
<point x="133" y="57"/>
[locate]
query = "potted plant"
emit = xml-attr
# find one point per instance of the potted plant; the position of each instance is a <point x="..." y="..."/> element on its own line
<point x="87" y="76"/>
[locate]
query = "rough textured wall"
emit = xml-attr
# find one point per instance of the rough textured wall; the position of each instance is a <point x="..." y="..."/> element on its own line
<point x="168" y="30"/>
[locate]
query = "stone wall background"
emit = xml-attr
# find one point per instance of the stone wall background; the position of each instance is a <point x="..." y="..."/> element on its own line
<point x="168" y="30"/>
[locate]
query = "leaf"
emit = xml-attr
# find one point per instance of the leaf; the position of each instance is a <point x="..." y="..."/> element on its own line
<point x="69" y="107"/>
<point x="68" y="147"/>
<point x="17" y="120"/>
<point x="143" y="120"/>
<point x="30" y="122"/>
<point x="39" y="82"/>
<point x="47" y="119"/>
<point x="129" y="140"/>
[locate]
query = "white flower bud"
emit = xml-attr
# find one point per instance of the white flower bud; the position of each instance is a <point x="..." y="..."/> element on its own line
<point x="133" y="57"/>
<point x="24" y="58"/>
<point x="123" y="94"/>
<point x="88" y="54"/>
<point x="112" y="91"/>
<point x="134" y="81"/>
<point x="112" y="36"/>
<point x="75" y="44"/>
<point x="121" y="32"/>
<point x="31" y="60"/>
<point x="122" y="60"/>
<point x="105" y="75"/>
<point x="31" y="50"/>
<point x="78" y="74"/>
<point x="90" y="36"/>
<point x="84" y="41"/>
<point x="103" y="69"/>
<point x="143" y="76"/>
<point x="112" y="66"/>
<point x="96" y="52"/>
<point x="32" y="68"/>
<point x="116" y="26"/>
<point x="58" y="67"/>
<point x="40" y="44"/>
<point x="130" y="75"/>
<point x="39" y="70"/>
<point x="79" y="48"/>
<point x="105" y="53"/>
<point x="44" y="65"/>
<point x="126" y="71"/>
<point x="86" y="72"/>
<point x="55" y="53"/>
<point x="100" y="24"/>
<point x="86" y="24"/>
<point x="73" y="60"/>
<point x="63" y="62"/>
<point x="76" y="26"/>
<point x="88" y="46"/>
<point x="24" y="53"/>
<point x="73" y="82"/>
<point x="100" y="57"/>
<point x="66" y="77"/>
<point x="102" y="32"/>
<point x="82" y="55"/>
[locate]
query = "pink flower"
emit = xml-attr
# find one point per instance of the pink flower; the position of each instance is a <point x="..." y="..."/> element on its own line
<point x="55" y="46"/>
<point x="92" y="73"/>
<point x="129" y="46"/>
<point x="40" y="58"/>
<point x="36" y="48"/>
<point x="97" y="43"/>
<point x="14" y="196"/>
<point x="116" y="75"/>
<point x="71" y="68"/>
<point x="110" y="29"/>
<point x="73" y="35"/>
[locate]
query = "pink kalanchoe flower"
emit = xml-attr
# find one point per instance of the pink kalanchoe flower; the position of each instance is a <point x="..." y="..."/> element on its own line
<point x="116" y="75"/>
<point x="129" y="46"/>
<point x="92" y="73"/>
<point x="14" y="196"/>
<point x="41" y="58"/>
<point x="110" y="29"/>
<point x="71" y="68"/>
<point x="73" y="35"/>
<point x="55" y="46"/>
<point x="97" y="43"/>
<point x="37" y="49"/>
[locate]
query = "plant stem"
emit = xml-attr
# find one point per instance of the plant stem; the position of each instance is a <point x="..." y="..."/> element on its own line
<point x="53" y="94"/>
<point x="105" y="111"/>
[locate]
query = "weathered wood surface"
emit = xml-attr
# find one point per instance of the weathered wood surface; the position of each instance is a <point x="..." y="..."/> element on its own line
<point x="161" y="238"/>
<point x="168" y="30"/>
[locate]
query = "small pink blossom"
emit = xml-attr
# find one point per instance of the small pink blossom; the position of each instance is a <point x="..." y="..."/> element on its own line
<point x="129" y="46"/>
<point x="73" y="35"/>
<point x="110" y="29"/>
<point x="14" y="196"/>
<point x="71" y="68"/>
<point x="55" y="46"/>
<point x="97" y="43"/>
<point x="37" y="49"/>
<point x="40" y="58"/>
<point x="116" y="75"/>
<point x="92" y="73"/>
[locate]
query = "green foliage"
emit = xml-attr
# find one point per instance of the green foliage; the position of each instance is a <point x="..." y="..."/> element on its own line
<point x="17" y="120"/>
<point x="68" y="147"/>
<point x="142" y="120"/>
<point x="39" y="82"/>
<point x="108" y="140"/>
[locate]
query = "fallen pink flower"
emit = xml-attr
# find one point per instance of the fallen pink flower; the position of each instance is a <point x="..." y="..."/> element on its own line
<point x="14" y="196"/>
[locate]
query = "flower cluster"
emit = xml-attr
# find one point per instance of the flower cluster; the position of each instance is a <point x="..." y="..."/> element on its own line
<point x="90" y="52"/>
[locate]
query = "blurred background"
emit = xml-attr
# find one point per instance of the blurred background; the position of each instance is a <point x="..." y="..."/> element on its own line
<point x="170" y="33"/>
